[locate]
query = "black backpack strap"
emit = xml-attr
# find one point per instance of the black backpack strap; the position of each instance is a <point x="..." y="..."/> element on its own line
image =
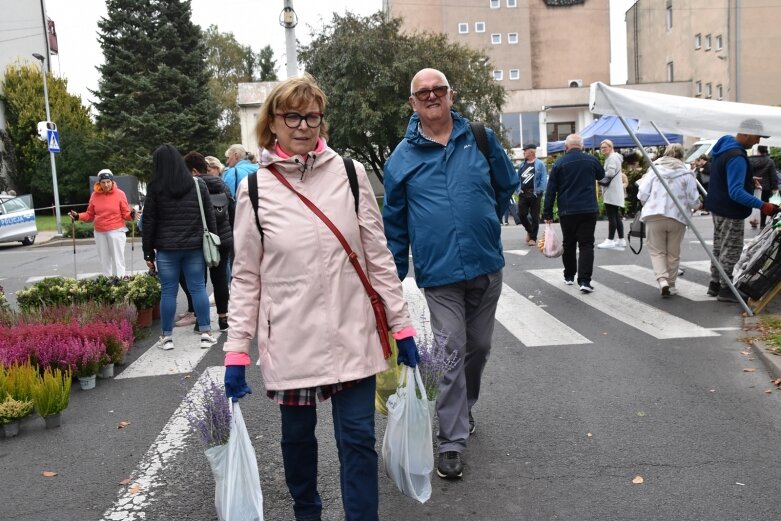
<point x="252" y="189"/>
<point x="481" y="138"/>
<point x="349" y="166"/>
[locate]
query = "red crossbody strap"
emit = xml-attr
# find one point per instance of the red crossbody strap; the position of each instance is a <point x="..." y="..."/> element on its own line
<point x="331" y="226"/>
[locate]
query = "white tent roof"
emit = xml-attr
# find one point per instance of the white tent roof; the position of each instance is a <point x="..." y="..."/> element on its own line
<point x="690" y="116"/>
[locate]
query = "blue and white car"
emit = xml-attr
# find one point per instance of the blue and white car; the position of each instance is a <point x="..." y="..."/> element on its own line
<point x="17" y="219"/>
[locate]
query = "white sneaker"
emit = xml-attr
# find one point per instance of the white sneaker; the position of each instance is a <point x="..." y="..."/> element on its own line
<point x="166" y="343"/>
<point x="621" y="243"/>
<point x="607" y="244"/>
<point x="673" y="291"/>
<point x="207" y="340"/>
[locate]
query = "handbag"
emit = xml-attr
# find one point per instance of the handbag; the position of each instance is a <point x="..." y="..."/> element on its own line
<point x="211" y="241"/>
<point x="377" y="306"/>
<point x="636" y="229"/>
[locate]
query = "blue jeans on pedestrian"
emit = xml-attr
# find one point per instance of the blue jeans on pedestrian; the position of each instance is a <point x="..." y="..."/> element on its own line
<point x="353" y="415"/>
<point x="170" y="263"/>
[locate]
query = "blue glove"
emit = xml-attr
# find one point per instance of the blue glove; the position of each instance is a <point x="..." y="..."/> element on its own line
<point x="408" y="352"/>
<point x="235" y="382"/>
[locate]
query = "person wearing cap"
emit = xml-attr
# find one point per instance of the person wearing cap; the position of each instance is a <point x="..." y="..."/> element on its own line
<point x="730" y="201"/>
<point x="534" y="178"/>
<point x="764" y="171"/>
<point x="109" y="209"/>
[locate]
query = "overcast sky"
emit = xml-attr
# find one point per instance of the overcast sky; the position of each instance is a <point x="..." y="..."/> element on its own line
<point x="253" y="22"/>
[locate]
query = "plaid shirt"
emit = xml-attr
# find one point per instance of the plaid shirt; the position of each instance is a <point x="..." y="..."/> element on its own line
<point x="307" y="396"/>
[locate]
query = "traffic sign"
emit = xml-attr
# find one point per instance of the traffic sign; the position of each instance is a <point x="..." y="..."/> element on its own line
<point x="54" y="141"/>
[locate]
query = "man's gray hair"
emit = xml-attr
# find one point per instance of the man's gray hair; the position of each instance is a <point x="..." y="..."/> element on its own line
<point x="574" y="140"/>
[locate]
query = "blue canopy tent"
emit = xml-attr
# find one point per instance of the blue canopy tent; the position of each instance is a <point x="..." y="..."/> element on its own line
<point x="610" y="127"/>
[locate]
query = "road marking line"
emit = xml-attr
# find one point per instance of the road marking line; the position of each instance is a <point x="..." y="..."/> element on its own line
<point x="698" y="265"/>
<point x="130" y="506"/>
<point x="530" y="324"/>
<point x="517" y="252"/>
<point x="650" y="320"/>
<point x="686" y="289"/>
<point x="79" y="276"/>
<point x="184" y="358"/>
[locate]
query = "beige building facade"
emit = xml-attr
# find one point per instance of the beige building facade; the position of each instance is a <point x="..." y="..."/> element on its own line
<point x="726" y="49"/>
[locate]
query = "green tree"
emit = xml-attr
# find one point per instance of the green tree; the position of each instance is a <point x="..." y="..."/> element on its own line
<point x="368" y="106"/>
<point x="267" y="64"/>
<point x="79" y="155"/>
<point x="154" y="83"/>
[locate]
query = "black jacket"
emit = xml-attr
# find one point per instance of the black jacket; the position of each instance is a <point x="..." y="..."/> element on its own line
<point x="764" y="167"/>
<point x="175" y="223"/>
<point x="224" y="209"/>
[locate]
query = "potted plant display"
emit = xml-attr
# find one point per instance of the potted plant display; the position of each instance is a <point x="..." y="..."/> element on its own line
<point x="144" y="290"/>
<point x="11" y="413"/>
<point x="51" y="395"/>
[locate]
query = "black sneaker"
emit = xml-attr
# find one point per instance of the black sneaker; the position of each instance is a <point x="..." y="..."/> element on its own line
<point x="569" y="282"/>
<point x="725" y="295"/>
<point x="713" y="288"/>
<point x="449" y="465"/>
<point x="472" y="425"/>
<point x="586" y="287"/>
<point x="223" y="323"/>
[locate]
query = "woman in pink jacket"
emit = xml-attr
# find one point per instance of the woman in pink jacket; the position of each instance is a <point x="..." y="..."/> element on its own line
<point x="295" y="289"/>
<point x="109" y="209"/>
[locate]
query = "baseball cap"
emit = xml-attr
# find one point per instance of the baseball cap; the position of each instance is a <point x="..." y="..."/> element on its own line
<point x="753" y="127"/>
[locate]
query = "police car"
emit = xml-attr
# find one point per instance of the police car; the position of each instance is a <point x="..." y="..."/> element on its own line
<point x="17" y="219"/>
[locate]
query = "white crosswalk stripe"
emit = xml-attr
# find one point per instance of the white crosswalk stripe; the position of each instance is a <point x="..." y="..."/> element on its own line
<point x="698" y="265"/>
<point x="517" y="252"/>
<point x="686" y="289"/>
<point x="632" y="312"/>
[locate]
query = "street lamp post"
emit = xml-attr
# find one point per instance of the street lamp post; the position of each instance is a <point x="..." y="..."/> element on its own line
<point x="40" y="58"/>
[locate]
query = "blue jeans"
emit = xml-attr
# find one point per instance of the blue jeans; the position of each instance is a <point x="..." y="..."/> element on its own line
<point x="353" y="415"/>
<point x="170" y="263"/>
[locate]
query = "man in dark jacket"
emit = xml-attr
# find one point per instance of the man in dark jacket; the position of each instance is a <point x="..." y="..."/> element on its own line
<point x="764" y="170"/>
<point x="730" y="201"/>
<point x="572" y="182"/>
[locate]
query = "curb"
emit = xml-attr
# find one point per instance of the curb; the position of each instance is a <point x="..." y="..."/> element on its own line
<point x="771" y="361"/>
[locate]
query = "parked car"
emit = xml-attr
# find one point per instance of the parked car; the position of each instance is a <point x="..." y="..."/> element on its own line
<point x="703" y="146"/>
<point x="17" y="219"/>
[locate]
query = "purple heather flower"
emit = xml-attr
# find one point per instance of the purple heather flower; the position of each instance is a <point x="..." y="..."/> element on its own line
<point x="210" y="414"/>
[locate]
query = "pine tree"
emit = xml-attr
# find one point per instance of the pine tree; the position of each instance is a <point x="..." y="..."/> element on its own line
<point x="154" y="84"/>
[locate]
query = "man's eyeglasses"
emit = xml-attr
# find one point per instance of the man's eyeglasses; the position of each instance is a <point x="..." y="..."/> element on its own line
<point x="293" y="119"/>
<point x="424" y="94"/>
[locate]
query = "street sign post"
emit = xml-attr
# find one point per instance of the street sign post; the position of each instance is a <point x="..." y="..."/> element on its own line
<point x="53" y="139"/>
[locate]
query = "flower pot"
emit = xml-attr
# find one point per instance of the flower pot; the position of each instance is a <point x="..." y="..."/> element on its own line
<point x="87" y="382"/>
<point x="11" y="429"/>
<point x="106" y="371"/>
<point x="52" y="421"/>
<point x="156" y="311"/>
<point x="144" y="317"/>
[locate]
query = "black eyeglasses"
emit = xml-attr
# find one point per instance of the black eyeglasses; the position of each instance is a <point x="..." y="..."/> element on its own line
<point x="293" y="119"/>
<point x="423" y="94"/>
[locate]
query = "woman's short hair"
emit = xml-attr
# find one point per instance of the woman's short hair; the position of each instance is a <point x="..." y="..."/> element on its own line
<point x="213" y="162"/>
<point x="608" y="143"/>
<point x="674" y="150"/>
<point x="291" y="94"/>
<point x="237" y="150"/>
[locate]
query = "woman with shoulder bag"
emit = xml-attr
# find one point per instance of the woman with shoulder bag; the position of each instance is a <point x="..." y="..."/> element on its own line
<point x="293" y="287"/>
<point x="613" y="196"/>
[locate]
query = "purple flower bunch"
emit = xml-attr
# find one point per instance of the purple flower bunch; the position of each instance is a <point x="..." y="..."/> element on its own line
<point x="209" y="414"/>
<point x="434" y="361"/>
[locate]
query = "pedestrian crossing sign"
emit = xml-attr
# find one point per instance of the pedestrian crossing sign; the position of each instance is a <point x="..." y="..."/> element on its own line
<point x="54" y="141"/>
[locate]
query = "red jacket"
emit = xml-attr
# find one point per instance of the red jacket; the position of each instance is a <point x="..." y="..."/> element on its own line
<point x="109" y="209"/>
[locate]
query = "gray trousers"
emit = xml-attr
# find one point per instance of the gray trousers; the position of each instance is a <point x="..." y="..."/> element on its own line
<point x="727" y="245"/>
<point x="463" y="313"/>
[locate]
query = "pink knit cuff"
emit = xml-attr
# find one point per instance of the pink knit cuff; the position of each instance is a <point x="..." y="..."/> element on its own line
<point x="405" y="333"/>
<point x="234" y="358"/>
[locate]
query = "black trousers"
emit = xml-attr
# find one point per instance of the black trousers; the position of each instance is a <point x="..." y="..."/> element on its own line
<point x="529" y="203"/>
<point x="577" y="232"/>
<point x="219" y="276"/>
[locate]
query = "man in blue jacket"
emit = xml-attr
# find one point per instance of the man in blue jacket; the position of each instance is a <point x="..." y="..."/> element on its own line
<point x="239" y="167"/>
<point x="444" y="199"/>
<point x="730" y="200"/>
<point x="572" y="182"/>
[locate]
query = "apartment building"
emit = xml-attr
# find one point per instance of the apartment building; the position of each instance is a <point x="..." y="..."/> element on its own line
<point x="725" y="49"/>
<point x="544" y="52"/>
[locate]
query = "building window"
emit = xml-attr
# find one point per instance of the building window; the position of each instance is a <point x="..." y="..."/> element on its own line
<point x="495" y="4"/>
<point x="496" y="38"/>
<point x="479" y="27"/>
<point x="463" y="28"/>
<point x="670" y="71"/>
<point x="669" y="15"/>
<point x="719" y="43"/>
<point x="707" y="42"/>
<point x="512" y="3"/>
<point x="719" y="92"/>
<point x="515" y="74"/>
<point x="708" y="90"/>
<point x="512" y="38"/>
<point x="698" y="88"/>
<point x="559" y="131"/>
<point x="697" y="41"/>
<point x="498" y="75"/>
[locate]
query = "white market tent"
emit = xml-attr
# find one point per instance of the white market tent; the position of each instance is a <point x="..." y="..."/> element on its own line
<point x="688" y="116"/>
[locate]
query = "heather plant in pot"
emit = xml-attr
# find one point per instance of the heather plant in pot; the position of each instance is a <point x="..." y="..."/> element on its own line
<point x="51" y="394"/>
<point x="143" y="290"/>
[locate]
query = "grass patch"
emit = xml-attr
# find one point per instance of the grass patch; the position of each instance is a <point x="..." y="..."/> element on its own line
<point x="48" y="223"/>
<point x="770" y="329"/>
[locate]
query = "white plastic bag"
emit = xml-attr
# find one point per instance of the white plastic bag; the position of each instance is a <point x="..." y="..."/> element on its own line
<point x="407" y="447"/>
<point x="553" y="246"/>
<point x="237" y="494"/>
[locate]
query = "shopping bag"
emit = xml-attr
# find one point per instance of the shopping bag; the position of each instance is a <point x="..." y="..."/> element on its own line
<point x="211" y="249"/>
<point x="237" y="495"/>
<point x="636" y="229"/>
<point x="407" y="447"/>
<point x="552" y="246"/>
<point x="387" y="381"/>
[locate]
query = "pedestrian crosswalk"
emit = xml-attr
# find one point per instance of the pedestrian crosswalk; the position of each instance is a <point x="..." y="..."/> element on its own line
<point x="686" y="289"/>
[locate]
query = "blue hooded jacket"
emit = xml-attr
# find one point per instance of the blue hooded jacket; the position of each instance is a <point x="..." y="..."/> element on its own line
<point x="440" y="201"/>
<point x="233" y="175"/>
<point x="731" y="186"/>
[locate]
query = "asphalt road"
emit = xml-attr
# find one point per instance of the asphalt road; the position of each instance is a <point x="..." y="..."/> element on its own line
<point x="623" y="385"/>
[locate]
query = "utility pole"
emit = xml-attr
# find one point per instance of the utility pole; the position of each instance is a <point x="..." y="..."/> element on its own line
<point x="288" y="19"/>
<point x="51" y="154"/>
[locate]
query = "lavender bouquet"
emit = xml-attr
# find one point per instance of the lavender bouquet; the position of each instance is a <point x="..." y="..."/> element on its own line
<point x="434" y="361"/>
<point x="209" y="414"/>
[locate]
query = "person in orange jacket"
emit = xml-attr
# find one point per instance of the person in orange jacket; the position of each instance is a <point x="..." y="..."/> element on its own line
<point x="109" y="209"/>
